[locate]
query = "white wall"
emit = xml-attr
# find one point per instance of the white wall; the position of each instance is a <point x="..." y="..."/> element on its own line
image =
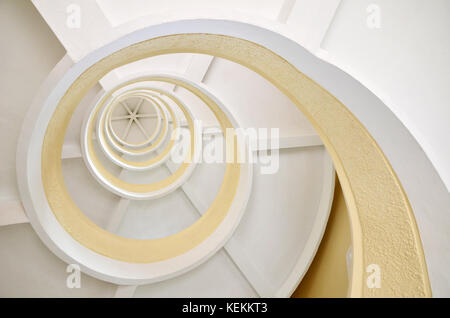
<point x="29" y="269"/>
<point x="29" y="51"/>
<point x="405" y="62"/>
<point x="119" y="12"/>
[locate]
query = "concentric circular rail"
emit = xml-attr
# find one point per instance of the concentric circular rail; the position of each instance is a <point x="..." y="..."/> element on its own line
<point x="70" y="234"/>
<point x="134" y="116"/>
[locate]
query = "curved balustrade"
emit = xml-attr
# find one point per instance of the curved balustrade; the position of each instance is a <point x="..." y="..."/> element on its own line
<point x="360" y="164"/>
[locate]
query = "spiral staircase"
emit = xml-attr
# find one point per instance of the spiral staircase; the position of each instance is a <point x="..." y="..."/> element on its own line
<point x="205" y="154"/>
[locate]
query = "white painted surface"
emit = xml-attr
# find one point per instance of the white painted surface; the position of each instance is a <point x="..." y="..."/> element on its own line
<point x="290" y="142"/>
<point x="405" y="62"/>
<point x="73" y="132"/>
<point x="307" y="164"/>
<point x="29" y="269"/>
<point x="273" y="233"/>
<point x="218" y="277"/>
<point x="94" y="31"/>
<point x="168" y="63"/>
<point x="12" y="212"/>
<point x="95" y="202"/>
<point x="204" y="184"/>
<point x="158" y="218"/>
<point x="119" y="12"/>
<point x="22" y="31"/>
<point x="117" y="215"/>
<point x="71" y="150"/>
<point x="198" y="67"/>
<point x="254" y="100"/>
<point x="416" y="192"/>
<point x="311" y="20"/>
<point x="125" y="291"/>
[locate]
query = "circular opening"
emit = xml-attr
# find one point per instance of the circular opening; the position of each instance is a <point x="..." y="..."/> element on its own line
<point x="134" y="121"/>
